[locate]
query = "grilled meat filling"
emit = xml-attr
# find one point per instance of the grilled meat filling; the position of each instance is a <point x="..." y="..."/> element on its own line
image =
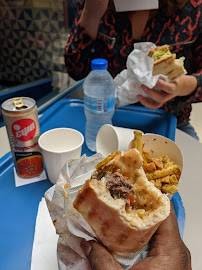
<point x="119" y="187"/>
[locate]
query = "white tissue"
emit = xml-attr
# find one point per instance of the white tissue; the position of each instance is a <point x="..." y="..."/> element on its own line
<point x="139" y="71"/>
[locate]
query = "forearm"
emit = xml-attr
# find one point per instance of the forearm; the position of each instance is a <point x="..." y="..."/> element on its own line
<point x="196" y="95"/>
<point x="195" y="69"/>
<point x="91" y="15"/>
<point x="191" y="88"/>
<point x="186" y="84"/>
<point x="90" y="24"/>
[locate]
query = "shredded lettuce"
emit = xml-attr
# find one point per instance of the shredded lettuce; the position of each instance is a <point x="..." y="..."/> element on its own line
<point x="158" y="54"/>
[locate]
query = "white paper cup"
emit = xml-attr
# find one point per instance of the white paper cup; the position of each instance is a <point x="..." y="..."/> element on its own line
<point x="111" y="138"/>
<point x="58" y="146"/>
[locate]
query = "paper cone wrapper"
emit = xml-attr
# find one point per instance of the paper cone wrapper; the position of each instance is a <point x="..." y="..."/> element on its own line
<point x="111" y="138"/>
<point x="159" y="146"/>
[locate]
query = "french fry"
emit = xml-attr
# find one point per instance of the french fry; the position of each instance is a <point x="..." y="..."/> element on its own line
<point x="140" y="212"/>
<point x="173" y="180"/>
<point x="162" y="173"/>
<point x="178" y="174"/>
<point x="158" y="183"/>
<point x="152" y="181"/>
<point x="144" y="165"/>
<point x="146" y="156"/>
<point x="166" y="159"/>
<point x="172" y="189"/>
<point x="158" y="162"/>
<point x="137" y="142"/>
<point x="150" y="167"/>
<point x="167" y="162"/>
<point x="165" y="179"/>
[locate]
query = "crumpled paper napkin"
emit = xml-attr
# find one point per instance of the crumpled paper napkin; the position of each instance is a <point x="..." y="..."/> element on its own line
<point x="139" y="71"/>
<point x="70" y="224"/>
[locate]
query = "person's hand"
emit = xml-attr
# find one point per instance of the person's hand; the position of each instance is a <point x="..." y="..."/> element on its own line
<point x="99" y="257"/>
<point x="182" y="86"/>
<point x="167" y="251"/>
<point x="91" y="15"/>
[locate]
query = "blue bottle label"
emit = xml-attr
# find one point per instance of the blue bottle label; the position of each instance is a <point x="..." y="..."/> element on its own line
<point x="99" y="105"/>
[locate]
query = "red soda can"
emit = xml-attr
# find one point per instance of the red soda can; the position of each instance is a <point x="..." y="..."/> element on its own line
<point x="22" y="124"/>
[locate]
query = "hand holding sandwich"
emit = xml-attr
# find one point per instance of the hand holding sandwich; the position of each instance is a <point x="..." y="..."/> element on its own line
<point x="167" y="251"/>
<point x="182" y="86"/>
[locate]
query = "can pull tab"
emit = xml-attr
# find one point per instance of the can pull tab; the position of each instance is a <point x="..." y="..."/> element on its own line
<point x="18" y="103"/>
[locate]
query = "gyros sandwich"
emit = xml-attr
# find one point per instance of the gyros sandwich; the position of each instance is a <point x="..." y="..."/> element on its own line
<point x="123" y="208"/>
<point x="166" y="63"/>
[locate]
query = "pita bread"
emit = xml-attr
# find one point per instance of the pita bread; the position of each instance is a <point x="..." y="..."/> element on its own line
<point x="168" y="65"/>
<point x="120" y="228"/>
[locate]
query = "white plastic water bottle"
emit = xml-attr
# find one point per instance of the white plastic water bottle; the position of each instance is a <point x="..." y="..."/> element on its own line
<point x="99" y="100"/>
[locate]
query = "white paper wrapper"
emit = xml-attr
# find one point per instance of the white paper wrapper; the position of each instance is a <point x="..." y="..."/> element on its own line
<point x="139" y="71"/>
<point x="70" y="225"/>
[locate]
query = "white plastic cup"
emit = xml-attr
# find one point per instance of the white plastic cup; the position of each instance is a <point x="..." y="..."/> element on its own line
<point x="111" y="138"/>
<point x="58" y="146"/>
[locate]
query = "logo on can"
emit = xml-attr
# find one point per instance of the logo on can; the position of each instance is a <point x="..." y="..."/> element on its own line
<point x="24" y="129"/>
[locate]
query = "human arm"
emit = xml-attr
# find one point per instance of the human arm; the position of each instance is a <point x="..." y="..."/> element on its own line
<point x="167" y="251"/>
<point x="91" y="15"/>
<point x="196" y="69"/>
<point x="189" y="86"/>
<point x="81" y="48"/>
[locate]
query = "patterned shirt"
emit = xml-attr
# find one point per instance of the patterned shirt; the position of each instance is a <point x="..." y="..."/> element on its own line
<point x="114" y="43"/>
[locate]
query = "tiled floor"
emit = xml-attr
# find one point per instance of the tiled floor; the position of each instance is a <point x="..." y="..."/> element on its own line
<point x="196" y="119"/>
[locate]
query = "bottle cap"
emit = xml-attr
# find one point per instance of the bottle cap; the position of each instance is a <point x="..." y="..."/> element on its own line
<point x="99" y="63"/>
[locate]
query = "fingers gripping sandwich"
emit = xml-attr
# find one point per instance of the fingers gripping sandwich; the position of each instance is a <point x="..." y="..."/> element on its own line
<point x="123" y="208"/>
<point x="166" y="63"/>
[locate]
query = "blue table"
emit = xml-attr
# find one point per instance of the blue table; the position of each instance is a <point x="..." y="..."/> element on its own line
<point x="19" y="205"/>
